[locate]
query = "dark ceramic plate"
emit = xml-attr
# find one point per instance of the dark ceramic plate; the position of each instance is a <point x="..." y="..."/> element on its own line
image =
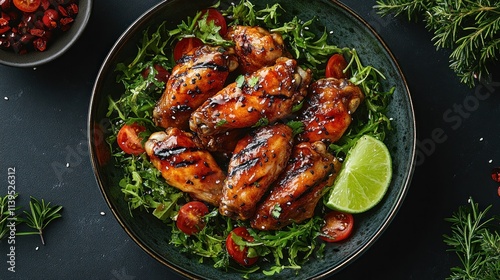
<point x="349" y="30"/>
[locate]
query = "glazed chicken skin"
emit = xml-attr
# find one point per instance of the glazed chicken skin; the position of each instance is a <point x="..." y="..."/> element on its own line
<point x="294" y="195"/>
<point x="185" y="166"/>
<point x="269" y="93"/>
<point x="327" y="112"/>
<point x="198" y="75"/>
<point x="255" y="47"/>
<point x="257" y="161"/>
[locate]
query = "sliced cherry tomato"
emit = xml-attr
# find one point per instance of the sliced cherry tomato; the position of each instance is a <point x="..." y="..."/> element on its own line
<point x="189" y="219"/>
<point x="218" y="19"/>
<point x="239" y="254"/>
<point x="27" y="6"/>
<point x="162" y="74"/>
<point x="338" y="226"/>
<point x="335" y="67"/>
<point x="185" y="45"/>
<point x="128" y="139"/>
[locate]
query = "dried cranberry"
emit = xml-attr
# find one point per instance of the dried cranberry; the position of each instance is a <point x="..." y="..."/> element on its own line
<point x="5" y="5"/>
<point x="63" y="11"/>
<point x="4" y="29"/>
<point x="37" y="32"/>
<point x="45" y="4"/>
<point x="72" y="9"/>
<point x="40" y="44"/>
<point x="495" y="174"/>
<point x="26" y="38"/>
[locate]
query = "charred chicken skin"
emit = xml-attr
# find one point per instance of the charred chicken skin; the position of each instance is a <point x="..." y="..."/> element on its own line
<point x="327" y="113"/>
<point x="269" y="93"/>
<point x="294" y="195"/>
<point x="199" y="74"/>
<point x="257" y="161"/>
<point x="255" y="47"/>
<point x="185" y="166"/>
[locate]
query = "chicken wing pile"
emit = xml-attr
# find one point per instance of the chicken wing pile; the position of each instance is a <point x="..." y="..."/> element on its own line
<point x="273" y="177"/>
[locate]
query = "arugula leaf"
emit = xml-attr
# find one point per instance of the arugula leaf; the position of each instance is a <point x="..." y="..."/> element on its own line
<point x="244" y="13"/>
<point x="371" y="116"/>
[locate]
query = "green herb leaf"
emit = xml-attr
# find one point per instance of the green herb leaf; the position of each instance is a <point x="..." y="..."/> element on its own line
<point x="39" y="217"/>
<point x="475" y="242"/>
<point x="471" y="29"/>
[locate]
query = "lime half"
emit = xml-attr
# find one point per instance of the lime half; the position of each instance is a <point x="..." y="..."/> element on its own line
<point x="364" y="177"/>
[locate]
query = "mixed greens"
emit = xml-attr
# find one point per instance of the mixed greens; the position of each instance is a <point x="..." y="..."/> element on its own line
<point x="142" y="184"/>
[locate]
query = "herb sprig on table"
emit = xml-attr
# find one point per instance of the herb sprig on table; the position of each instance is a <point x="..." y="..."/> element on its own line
<point x="40" y="215"/>
<point x="476" y="242"/>
<point x="471" y="29"/>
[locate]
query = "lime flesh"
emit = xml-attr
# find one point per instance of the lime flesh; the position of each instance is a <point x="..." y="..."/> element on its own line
<point x="364" y="177"/>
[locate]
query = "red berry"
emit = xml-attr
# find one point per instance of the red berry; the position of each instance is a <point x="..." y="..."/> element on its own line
<point x="495" y="174"/>
<point x="50" y="18"/>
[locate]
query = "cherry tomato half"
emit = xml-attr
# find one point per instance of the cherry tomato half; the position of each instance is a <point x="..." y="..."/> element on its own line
<point x="162" y="74"/>
<point x="189" y="219"/>
<point x="27" y="6"/>
<point x="185" y="45"/>
<point x="338" y="226"/>
<point x="218" y="19"/>
<point x="240" y="255"/>
<point x="128" y="139"/>
<point x="335" y="67"/>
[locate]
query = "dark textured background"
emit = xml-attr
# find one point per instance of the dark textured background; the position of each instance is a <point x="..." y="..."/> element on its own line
<point x="43" y="127"/>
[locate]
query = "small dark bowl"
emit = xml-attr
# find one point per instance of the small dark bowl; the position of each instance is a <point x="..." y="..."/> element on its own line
<point x="57" y="47"/>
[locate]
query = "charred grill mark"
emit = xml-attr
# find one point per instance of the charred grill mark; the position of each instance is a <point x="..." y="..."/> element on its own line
<point x="252" y="147"/>
<point x="184" y="163"/>
<point x="166" y="153"/>
<point x="244" y="166"/>
<point x="211" y="65"/>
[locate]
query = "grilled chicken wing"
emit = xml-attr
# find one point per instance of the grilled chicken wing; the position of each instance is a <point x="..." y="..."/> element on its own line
<point x="199" y="74"/>
<point x="257" y="161"/>
<point x="327" y="113"/>
<point x="255" y="47"/>
<point x="269" y="93"/>
<point x="294" y="195"/>
<point x="185" y="166"/>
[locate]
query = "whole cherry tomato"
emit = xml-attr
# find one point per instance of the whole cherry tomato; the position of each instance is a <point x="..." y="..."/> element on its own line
<point x="128" y="139"/>
<point x="189" y="219"/>
<point x="338" y="226"/>
<point x="240" y="255"/>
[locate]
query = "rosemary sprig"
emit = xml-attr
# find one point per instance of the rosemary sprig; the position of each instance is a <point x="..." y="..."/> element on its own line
<point x="471" y="29"/>
<point x="6" y="214"/>
<point x="475" y="242"/>
<point x="40" y="216"/>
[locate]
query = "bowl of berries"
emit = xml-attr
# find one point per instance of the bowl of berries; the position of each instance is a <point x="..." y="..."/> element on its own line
<point x="34" y="32"/>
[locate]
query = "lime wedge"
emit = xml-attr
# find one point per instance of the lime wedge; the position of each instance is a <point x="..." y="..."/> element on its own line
<point x="364" y="177"/>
